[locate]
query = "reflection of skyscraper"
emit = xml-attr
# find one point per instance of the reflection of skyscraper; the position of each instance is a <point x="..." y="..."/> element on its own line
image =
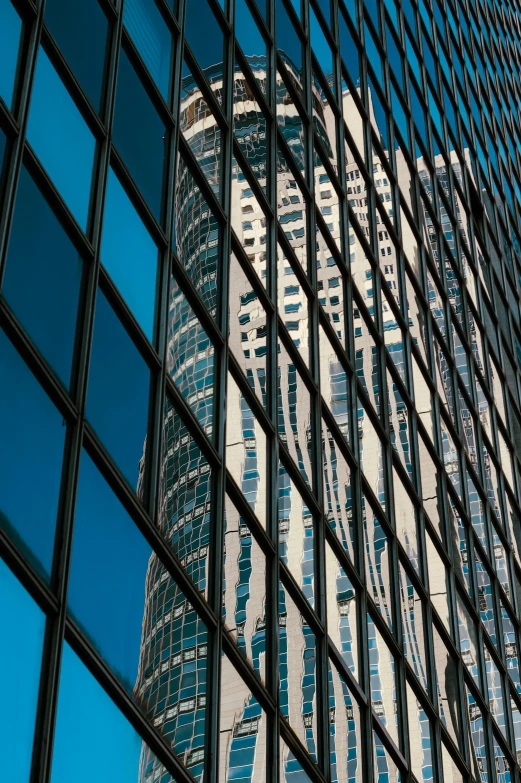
<point x="281" y="243"/>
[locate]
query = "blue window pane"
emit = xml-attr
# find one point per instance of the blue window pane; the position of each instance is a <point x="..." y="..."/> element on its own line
<point x="10" y="30"/>
<point x="80" y="30"/>
<point x="93" y="738"/>
<point x="203" y="34"/>
<point x="139" y="134"/>
<point x="152" y="38"/>
<point x="129" y="254"/>
<point x="33" y="435"/>
<point x="42" y="277"/>
<point x="61" y="138"/>
<point x="107" y="593"/>
<point x="117" y="401"/>
<point x="20" y="664"/>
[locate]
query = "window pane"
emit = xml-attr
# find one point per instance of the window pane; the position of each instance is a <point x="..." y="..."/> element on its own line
<point x="242" y="730"/>
<point x="139" y="134"/>
<point x="106" y="593"/>
<point x="42" y="277"/>
<point x="80" y="30"/>
<point x="21" y="666"/>
<point x="244" y="589"/>
<point x="61" y="138"/>
<point x="129" y="254"/>
<point x="185" y="497"/>
<point x="190" y="357"/>
<point x="86" y="719"/>
<point x="136" y="616"/>
<point x="10" y="30"/>
<point x="203" y="34"/>
<point x="117" y="400"/>
<point x="33" y="435"/>
<point x="297" y="651"/>
<point x="152" y="38"/>
<point x="246" y="450"/>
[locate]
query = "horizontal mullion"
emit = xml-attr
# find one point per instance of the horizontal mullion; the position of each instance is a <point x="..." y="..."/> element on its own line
<point x="252" y="179"/>
<point x="293" y="589"/>
<point x="205" y="88"/>
<point x="296" y="357"/>
<point x="153" y="226"/>
<point x="282" y="145"/>
<point x="191" y="423"/>
<point x="260" y="535"/>
<point x="37" y="365"/>
<point x="345" y="672"/>
<point x="298" y="270"/>
<point x="249" y="395"/>
<point x="68" y="78"/>
<point x="58" y="205"/>
<point x="146" y="79"/>
<point x="248" y="675"/>
<point x="290" y="737"/>
<point x="128" y="320"/>
<point x="390" y="745"/>
<point x="296" y="476"/>
<point x="8" y="123"/>
<point x="194" y="300"/>
<point x="147" y="527"/>
<point x="12" y="554"/>
<point x="197" y="174"/>
<point x="248" y="269"/>
<point x="258" y="94"/>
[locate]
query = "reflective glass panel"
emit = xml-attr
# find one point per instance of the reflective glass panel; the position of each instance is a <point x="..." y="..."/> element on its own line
<point x="129" y="254"/>
<point x="61" y="139"/>
<point x="43" y="267"/>
<point x="10" y="31"/>
<point x="139" y="134"/>
<point x="21" y="664"/>
<point x="117" y="398"/>
<point x="152" y="38"/>
<point x="32" y="453"/>
<point x="244" y="589"/>
<point x="242" y="730"/>
<point x="80" y="30"/>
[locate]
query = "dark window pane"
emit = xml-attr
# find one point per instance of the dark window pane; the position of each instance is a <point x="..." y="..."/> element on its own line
<point x="129" y="254"/>
<point x="33" y="434"/>
<point x="61" y="139"/>
<point x="42" y="277"/>
<point x="117" y="401"/>
<point x="152" y="38"/>
<point x="91" y="732"/>
<point x="10" y="30"/>
<point x="203" y="34"/>
<point x="20" y="664"/>
<point x="139" y="134"/>
<point x="106" y="593"/>
<point x="136" y="615"/>
<point x="80" y="30"/>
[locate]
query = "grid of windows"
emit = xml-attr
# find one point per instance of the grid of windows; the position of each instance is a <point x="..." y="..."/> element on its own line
<point x="260" y="350"/>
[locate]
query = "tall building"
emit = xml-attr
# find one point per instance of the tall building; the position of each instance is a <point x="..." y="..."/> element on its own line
<point x="260" y="350"/>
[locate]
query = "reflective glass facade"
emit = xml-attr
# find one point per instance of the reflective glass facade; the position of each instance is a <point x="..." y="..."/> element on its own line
<point x="260" y="377"/>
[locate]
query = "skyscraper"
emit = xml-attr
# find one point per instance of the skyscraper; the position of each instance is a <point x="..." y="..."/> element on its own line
<point x="260" y="350"/>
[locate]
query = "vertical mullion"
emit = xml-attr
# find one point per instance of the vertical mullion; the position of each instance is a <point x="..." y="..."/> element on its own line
<point x="211" y="771"/>
<point x="53" y="643"/>
<point x="272" y="565"/>
<point x="321" y="693"/>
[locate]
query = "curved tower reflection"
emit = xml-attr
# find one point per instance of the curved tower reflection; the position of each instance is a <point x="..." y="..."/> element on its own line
<point x="171" y="682"/>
